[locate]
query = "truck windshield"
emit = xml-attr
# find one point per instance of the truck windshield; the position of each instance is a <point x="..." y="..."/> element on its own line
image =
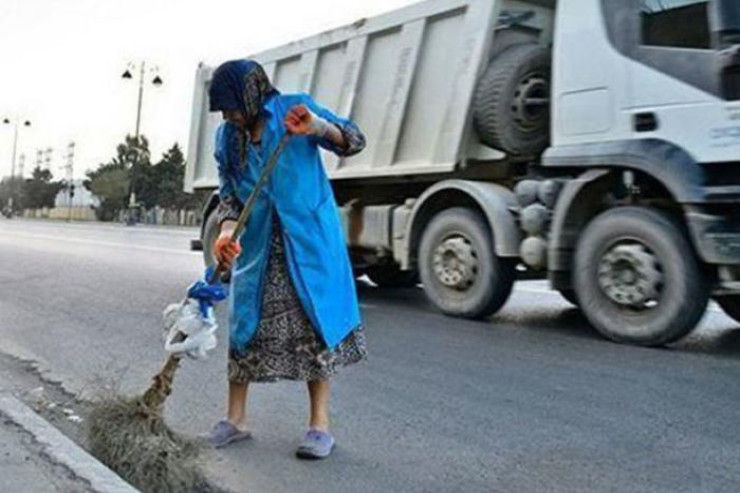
<point x="676" y="23"/>
<point x="728" y="21"/>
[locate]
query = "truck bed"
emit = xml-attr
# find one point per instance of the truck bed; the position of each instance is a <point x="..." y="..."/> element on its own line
<point x="406" y="77"/>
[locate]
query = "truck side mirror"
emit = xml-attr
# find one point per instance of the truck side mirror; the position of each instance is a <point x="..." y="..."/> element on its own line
<point x="726" y="22"/>
<point x="726" y="31"/>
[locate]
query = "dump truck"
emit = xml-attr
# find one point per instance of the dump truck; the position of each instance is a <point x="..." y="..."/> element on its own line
<point x="592" y="143"/>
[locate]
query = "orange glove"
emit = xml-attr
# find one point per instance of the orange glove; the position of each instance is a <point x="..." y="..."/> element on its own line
<point x="301" y="121"/>
<point x="226" y="250"/>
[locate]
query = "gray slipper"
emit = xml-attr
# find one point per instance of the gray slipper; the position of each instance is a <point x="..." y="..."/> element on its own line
<point x="224" y="433"/>
<point x="316" y="444"/>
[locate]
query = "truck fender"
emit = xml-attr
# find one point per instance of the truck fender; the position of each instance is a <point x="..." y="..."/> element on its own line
<point x="667" y="163"/>
<point x="580" y="200"/>
<point x="495" y="201"/>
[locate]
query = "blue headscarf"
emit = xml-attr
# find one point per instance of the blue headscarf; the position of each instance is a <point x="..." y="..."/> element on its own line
<point x="240" y="85"/>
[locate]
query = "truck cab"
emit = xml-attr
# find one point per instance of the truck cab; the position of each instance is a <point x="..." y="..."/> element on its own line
<point x="649" y="93"/>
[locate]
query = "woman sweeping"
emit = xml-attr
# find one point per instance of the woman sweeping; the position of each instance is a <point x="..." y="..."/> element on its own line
<point x="293" y="311"/>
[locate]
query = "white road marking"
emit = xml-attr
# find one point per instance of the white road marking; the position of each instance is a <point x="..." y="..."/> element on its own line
<point x="112" y="244"/>
<point x="99" y="226"/>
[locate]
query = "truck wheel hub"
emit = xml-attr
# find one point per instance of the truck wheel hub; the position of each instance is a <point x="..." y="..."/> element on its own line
<point x="531" y="101"/>
<point x="630" y="276"/>
<point x="455" y="263"/>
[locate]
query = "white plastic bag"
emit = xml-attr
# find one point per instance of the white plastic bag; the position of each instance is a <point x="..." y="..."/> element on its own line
<point x="187" y="319"/>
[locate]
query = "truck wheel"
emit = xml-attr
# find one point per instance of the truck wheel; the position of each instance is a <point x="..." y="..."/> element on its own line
<point x="460" y="272"/>
<point x="391" y="276"/>
<point x="210" y="233"/>
<point x="730" y="305"/>
<point x="637" y="277"/>
<point x="512" y="101"/>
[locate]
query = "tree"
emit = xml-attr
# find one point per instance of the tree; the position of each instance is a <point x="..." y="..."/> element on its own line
<point x="168" y="177"/>
<point x="11" y="188"/>
<point x="131" y="169"/>
<point x="112" y="181"/>
<point x="40" y="191"/>
<point x="137" y="156"/>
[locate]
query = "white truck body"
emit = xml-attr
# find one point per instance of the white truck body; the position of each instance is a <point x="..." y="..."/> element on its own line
<point x="532" y="138"/>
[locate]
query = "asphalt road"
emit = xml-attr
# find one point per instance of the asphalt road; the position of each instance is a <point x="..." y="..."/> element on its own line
<point x="532" y="401"/>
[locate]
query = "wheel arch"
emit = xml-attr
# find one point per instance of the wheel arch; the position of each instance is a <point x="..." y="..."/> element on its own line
<point x="208" y="208"/>
<point x="590" y="191"/>
<point x="492" y="200"/>
<point x="671" y="166"/>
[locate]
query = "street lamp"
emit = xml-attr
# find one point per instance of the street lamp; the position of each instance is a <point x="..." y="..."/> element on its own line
<point x="15" y="123"/>
<point x="156" y="81"/>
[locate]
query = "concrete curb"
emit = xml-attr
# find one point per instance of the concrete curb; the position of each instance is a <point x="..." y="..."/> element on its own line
<point x="63" y="450"/>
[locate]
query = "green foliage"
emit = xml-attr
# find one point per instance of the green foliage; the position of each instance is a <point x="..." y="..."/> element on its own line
<point x="110" y="183"/>
<point x="159" y="184"/>
<point x="40" y="191"/>
<point x="12" y="188"/>
<point x="37" y="192"/>
<point x="169" y="176"/>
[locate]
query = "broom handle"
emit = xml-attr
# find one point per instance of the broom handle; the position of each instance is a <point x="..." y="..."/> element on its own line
<point x="252" y="200"/>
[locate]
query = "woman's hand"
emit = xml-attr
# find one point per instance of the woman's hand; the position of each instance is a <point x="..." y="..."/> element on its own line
<point x="298" y="120"/>
<point x="225" y="249"/>
<point x="302" y="121"/>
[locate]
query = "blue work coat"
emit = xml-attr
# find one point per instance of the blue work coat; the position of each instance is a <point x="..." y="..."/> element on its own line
<point x="300" y="194"/>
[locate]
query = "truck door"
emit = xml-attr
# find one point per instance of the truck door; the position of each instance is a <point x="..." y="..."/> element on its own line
<point x="673" y="59"/>
<point x="676" y="88"/>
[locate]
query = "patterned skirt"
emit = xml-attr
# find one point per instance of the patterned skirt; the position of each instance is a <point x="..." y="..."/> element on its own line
<point x="285" y="345"/>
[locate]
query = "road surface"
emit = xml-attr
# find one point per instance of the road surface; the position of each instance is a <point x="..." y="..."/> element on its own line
<point x="532" y="401"/>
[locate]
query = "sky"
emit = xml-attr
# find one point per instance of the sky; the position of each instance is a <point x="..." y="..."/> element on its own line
<point x="61" y="63"/>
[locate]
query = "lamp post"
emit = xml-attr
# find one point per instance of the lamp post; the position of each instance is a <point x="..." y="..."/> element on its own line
<point x="15" y="123"/>
<point x="70" y="179"/>
<point x="155" y="81"/>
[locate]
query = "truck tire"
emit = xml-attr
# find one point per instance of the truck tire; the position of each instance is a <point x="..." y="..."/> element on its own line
<point x="730" y="305"/>
<point x="391" y="276"/>
<point x="511" y="103"/>
<point x="459" y="269"/>
<point x="210" y="233"/>
<point x="637" y="277"/>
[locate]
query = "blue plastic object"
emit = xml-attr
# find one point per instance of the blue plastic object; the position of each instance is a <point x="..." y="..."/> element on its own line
<point x="208" y="295"/>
